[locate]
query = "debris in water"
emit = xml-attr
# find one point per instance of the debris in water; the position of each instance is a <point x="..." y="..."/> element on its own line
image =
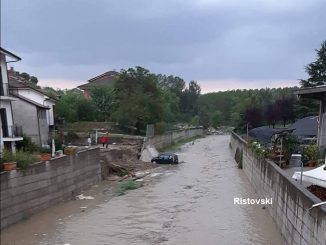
<point x="139" y="180"/>
<point x="82" y="197"/>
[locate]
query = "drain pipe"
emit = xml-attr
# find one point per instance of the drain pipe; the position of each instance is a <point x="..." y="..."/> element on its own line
<point x="317" y="205"/>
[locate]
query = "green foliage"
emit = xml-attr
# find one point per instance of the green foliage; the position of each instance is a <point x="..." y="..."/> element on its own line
<point x="27" y="145"/>
<point x="317" y="69"/>
<point x="311" y="152"/>
<point x="291" y="143"/>
<point x="160" y="128"/>
<point x="74" y="107"/>
<point x="138" y="98"/>
<point x="103" y="99"/>
<point x="216" y="119"/>
<point x="195" y="121"/>
<point x="23" y="159"/>
<point x="128" y="185"/>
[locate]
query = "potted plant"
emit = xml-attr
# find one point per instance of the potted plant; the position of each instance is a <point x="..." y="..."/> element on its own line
<point x="8" y="161"/>
<point x="311" y="153"/>
<point x="45" y="154"/>
<point x="8" y="166"/>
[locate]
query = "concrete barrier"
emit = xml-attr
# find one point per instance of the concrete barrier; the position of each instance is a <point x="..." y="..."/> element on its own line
<point x="25" y="192"/>
<point x="160" y="141"/>
<point x="291" y="201"/>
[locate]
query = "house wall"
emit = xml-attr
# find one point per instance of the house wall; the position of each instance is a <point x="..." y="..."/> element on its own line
<point x="291" y="201"/>
<point x="3" y="67"/>
<point x="24" y="193"/>
<point x="25" y="114"/>
<point x="41" y="99"/>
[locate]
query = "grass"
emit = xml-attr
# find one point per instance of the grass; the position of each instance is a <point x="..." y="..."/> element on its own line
<point x="128" y="185"/>
<point x="176" y="145"/>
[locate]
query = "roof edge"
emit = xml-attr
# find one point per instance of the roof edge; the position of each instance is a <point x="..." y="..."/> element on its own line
<point x="6" y="52"/>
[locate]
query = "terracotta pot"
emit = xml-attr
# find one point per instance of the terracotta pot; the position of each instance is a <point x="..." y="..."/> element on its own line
<point x="8" y="166"/>
<point x="45" y="157"/>
<point x="312" y="163"/>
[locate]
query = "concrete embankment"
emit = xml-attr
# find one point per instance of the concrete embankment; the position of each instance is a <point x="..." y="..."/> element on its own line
<point x="290" y="200"/>
<point x="41" y="185"/>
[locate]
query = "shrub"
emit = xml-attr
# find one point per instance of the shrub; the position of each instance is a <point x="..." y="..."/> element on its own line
<point x="23" y="159"/>
<point x="128" y="185"/>
<point x="311" y="152"/>
<point x="27" y="145"/>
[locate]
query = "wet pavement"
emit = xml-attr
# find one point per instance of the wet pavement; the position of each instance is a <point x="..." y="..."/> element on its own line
<point x="189" y="203"/>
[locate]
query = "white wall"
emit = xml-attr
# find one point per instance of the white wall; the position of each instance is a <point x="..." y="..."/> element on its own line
<point x="41" y="99"/>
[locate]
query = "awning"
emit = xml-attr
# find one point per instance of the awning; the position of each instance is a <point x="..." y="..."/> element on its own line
<point x="316" y="176"/>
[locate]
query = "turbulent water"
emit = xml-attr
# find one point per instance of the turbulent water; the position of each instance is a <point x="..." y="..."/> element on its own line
<point x="189" y="203"/>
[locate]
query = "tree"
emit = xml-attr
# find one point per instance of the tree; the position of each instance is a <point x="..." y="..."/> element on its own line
<point x="253" y="115"/>
<point x="25" y="76"/>
<point x="272" y="114"/>
<point x="189" y="99"/>
<point x="103" y="99"/>
<point x="216" y="119"/>
<point x="33" y="80"/>
<point x="67" y="106"/>
<point x="317" y="69"/>
<point x="285" y="107"/>
<point x="138" y="98"/>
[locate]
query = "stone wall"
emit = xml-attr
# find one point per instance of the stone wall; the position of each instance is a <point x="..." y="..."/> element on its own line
<point x="291" y="201"/>
<point x="41" y="185"/>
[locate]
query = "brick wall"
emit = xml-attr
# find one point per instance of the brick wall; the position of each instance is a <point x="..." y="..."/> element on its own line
<point x="290" y="200"/>
<point x="41" y="185"/>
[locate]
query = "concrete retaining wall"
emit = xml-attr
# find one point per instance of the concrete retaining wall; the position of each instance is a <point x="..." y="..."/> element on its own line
<point x="161" y="141"/>
<point x="290" y="200"/>
<point x="41" y="185"/>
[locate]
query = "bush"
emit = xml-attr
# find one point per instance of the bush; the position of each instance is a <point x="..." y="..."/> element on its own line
<point x="311" y="152"/>
<point x="128" y="185"/>
<point x="27" y="145"/>
<point x="23" y="159"/>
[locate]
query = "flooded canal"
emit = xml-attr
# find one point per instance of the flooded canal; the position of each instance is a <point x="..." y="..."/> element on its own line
<point x="191" y="203"/>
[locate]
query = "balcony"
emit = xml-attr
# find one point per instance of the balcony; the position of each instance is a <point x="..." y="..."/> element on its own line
<point x="14" y="131"/>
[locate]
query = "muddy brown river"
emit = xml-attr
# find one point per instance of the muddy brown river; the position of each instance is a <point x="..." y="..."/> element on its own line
<point x="189" y="203"/>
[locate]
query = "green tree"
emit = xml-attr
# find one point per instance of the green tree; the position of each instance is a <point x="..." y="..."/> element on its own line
<point x="317" y="69"/>
<point x="103" y="98"/>
<point x="33" y="80"/>
<point x="138" y="98"/>
<point x="216" y="119"/>
<point x="74" y="107"/>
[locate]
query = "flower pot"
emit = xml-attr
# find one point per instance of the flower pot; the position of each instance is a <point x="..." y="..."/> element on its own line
<point x="45" y="157"/>
<point x="8" y="166"/>
<point x="312" y="163"/>
<point x="70" y="150"/>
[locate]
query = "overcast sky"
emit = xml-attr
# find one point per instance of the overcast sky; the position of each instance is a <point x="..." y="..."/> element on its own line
<point x="223" y="44"/>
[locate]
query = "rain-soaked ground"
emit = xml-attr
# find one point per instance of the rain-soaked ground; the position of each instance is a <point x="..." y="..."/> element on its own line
<point x="189" y="203"/>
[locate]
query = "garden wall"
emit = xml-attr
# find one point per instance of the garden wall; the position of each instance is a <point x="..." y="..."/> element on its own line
<point x="290" y="200"/>
<point x="41" y="185"/>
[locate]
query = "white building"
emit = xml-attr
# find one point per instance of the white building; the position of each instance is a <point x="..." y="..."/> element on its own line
<point x="10" y="132"/>
<point x="34" y="110"/>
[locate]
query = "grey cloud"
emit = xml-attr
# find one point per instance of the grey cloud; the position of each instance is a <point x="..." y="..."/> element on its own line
<point x="194" y="39"/>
